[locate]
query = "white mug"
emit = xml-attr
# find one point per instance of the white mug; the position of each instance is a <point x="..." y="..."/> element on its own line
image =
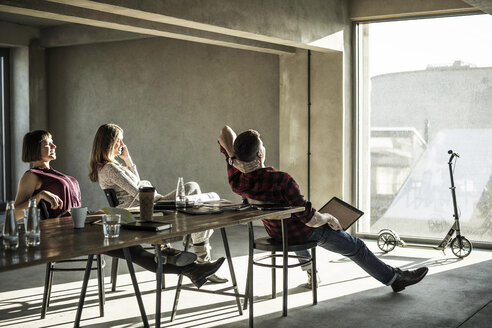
<point x="78" y="216"/>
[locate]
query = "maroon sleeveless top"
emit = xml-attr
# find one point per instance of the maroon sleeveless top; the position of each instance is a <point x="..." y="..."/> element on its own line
<point x="62" y="185"/>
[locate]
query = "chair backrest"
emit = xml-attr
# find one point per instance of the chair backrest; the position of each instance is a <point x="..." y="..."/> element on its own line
<point x="43" y="206"/>
<point x="111" y="197"/>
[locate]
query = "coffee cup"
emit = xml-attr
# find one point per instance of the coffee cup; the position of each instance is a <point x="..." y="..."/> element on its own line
<point x="79" y="214"/>
<point x="146" y="199"/>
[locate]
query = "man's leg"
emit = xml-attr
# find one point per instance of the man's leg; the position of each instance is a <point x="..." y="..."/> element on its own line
<point x="307" y="268"/>
<point x="342" y="243"/>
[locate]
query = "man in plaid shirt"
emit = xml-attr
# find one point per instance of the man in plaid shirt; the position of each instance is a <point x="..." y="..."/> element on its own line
<point x="248" y="177"/>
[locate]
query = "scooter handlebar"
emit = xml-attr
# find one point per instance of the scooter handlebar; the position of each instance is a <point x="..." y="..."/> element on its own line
<point x="453" y="153"/>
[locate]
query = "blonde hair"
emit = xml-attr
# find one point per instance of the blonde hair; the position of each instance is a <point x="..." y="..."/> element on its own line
<point x="102" y="148"/>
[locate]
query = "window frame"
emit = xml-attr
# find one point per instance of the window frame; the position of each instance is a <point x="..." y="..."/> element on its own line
<point x="358" y="122"/>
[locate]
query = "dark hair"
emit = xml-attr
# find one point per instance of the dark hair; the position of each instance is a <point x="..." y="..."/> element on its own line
<point x="246" y="145"/>
<point x="31" y="145"/>
<point x="102" y="148"/>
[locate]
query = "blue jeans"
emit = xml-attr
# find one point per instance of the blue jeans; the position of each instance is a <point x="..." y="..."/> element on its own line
<point x="340" y="242"/>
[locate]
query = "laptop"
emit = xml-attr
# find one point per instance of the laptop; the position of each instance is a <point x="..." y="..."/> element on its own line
<point x="344" y="212"/>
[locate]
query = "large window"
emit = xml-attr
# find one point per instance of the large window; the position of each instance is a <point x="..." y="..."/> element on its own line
<point x="4" y="128"/>
<point x="424" y="87"/>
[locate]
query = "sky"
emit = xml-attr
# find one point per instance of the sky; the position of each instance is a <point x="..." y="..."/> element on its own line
<point x="412" y="45"/>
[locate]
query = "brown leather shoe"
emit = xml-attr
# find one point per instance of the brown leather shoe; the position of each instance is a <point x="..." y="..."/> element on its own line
<point x="198" y="272"/>
<point x="407" y="278"/>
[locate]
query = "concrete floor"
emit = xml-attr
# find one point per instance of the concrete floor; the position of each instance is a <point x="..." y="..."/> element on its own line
<point x="456" y="293"/>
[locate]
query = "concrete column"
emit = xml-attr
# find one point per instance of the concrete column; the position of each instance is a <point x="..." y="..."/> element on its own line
<point x="19" y="117"/>
<point x="326" y="122"/>
<point x="38" y="115"/>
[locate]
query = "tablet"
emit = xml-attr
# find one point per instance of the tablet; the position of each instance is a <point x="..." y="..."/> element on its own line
<point x="200" y="210"/>
<point x="344" y="212"/>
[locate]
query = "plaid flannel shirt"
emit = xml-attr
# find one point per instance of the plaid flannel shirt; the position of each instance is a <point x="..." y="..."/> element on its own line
<point x="267" y="184"/>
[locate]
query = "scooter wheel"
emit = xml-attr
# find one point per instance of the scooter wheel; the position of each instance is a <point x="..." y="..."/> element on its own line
<point x="461" y="247"/>
<point x="386" y="242"/>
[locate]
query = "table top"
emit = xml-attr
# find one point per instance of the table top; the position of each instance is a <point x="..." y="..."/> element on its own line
<point x="59" y="240"/>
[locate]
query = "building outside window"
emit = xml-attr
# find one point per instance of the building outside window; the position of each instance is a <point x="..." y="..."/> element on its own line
<point x="424" y="86"/>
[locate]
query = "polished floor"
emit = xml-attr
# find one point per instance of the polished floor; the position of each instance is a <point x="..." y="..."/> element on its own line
<point x="456" y="293"/>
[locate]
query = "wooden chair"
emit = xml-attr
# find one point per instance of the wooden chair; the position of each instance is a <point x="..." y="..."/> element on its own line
<point x="51" y="268"/>
<point x="273" y="246"/>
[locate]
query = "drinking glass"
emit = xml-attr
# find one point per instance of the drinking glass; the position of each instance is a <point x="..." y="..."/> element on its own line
<point x="111" y="225"/>
<point x="32" y="227"/>
<point x="180" y="194"/>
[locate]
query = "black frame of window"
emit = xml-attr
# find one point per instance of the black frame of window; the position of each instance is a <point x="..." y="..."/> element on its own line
<point x="5" y="180"/>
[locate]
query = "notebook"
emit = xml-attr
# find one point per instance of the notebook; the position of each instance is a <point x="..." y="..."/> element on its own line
<point x="344" y="212"/>
<point x="147" y="225"/>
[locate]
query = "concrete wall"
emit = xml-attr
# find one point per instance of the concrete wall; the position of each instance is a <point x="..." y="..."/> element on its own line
<point x="327" y="123"/>
<point x="171" y="98"/>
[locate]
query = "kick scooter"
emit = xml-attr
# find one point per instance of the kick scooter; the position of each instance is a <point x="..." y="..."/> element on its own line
<point x="460" y="246"/>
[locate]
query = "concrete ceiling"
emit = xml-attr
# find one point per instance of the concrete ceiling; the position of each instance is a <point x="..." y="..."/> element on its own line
<point x="483" y="5"/>
<point x="63" y="22"/>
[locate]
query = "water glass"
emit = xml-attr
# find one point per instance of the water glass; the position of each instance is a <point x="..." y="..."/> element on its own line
<point x="10" y="230"/>
<point x="180" y="194"/>
<point x="111" y="225"/>
<point x="32" y="227"/>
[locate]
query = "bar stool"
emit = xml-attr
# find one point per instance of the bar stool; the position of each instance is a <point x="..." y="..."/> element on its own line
<point x="51" y="268"/>
<point x="273" y="246"/>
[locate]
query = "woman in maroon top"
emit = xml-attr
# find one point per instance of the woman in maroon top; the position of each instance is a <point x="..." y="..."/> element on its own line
<point x="62" y="192"/>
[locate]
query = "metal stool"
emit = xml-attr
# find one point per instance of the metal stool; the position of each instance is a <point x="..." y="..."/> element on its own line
<point x="269" y="244"/>
<point x="51" y="268"/>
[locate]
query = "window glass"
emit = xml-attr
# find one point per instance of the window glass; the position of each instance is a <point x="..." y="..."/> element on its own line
<point x="425" y="87"/>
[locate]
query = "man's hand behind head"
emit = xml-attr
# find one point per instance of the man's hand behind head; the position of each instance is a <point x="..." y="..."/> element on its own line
<point x="247" y="167"/>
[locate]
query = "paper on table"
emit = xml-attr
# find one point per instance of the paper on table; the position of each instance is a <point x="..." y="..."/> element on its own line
<point x="126" y="216"/>
<point x="205" y="197"/>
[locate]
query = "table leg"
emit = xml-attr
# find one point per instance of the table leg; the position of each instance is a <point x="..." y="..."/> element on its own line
<point x="250" y="273"/>
<point x="158" y="287"/>
<point x="180" y="281"/>
<point x="285" y="245"/>
<point x="231" y="269"/>
<point x="131" y="270"/>
<point x="85" y="282"/>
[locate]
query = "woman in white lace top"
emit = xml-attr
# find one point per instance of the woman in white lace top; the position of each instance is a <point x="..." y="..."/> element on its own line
<point x="125" y="181"/>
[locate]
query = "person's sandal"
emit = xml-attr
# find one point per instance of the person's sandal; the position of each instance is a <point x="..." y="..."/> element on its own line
<point x="216" y="279"/>
<point x="309" y="284"/>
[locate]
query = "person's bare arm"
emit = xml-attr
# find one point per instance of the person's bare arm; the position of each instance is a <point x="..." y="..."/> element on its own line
<point x="320" y="219"/>
<point x="226" y="140"/>
<point x="27" y="185"/>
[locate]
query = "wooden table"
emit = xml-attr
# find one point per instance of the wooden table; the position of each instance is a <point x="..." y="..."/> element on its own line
<point x="60" y="241"/>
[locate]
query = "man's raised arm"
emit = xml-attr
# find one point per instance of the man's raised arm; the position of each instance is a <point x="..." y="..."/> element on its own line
<point x="226" y="140"/>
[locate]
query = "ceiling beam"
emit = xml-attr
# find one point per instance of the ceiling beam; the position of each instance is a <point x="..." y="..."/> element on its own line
<point x="77" y="15"/>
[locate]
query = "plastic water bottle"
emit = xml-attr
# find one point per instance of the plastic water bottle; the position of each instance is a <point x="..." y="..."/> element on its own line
<point x="31" y="223"/>
<point x="10" y="229"/>
<point x="180" y="194"/>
